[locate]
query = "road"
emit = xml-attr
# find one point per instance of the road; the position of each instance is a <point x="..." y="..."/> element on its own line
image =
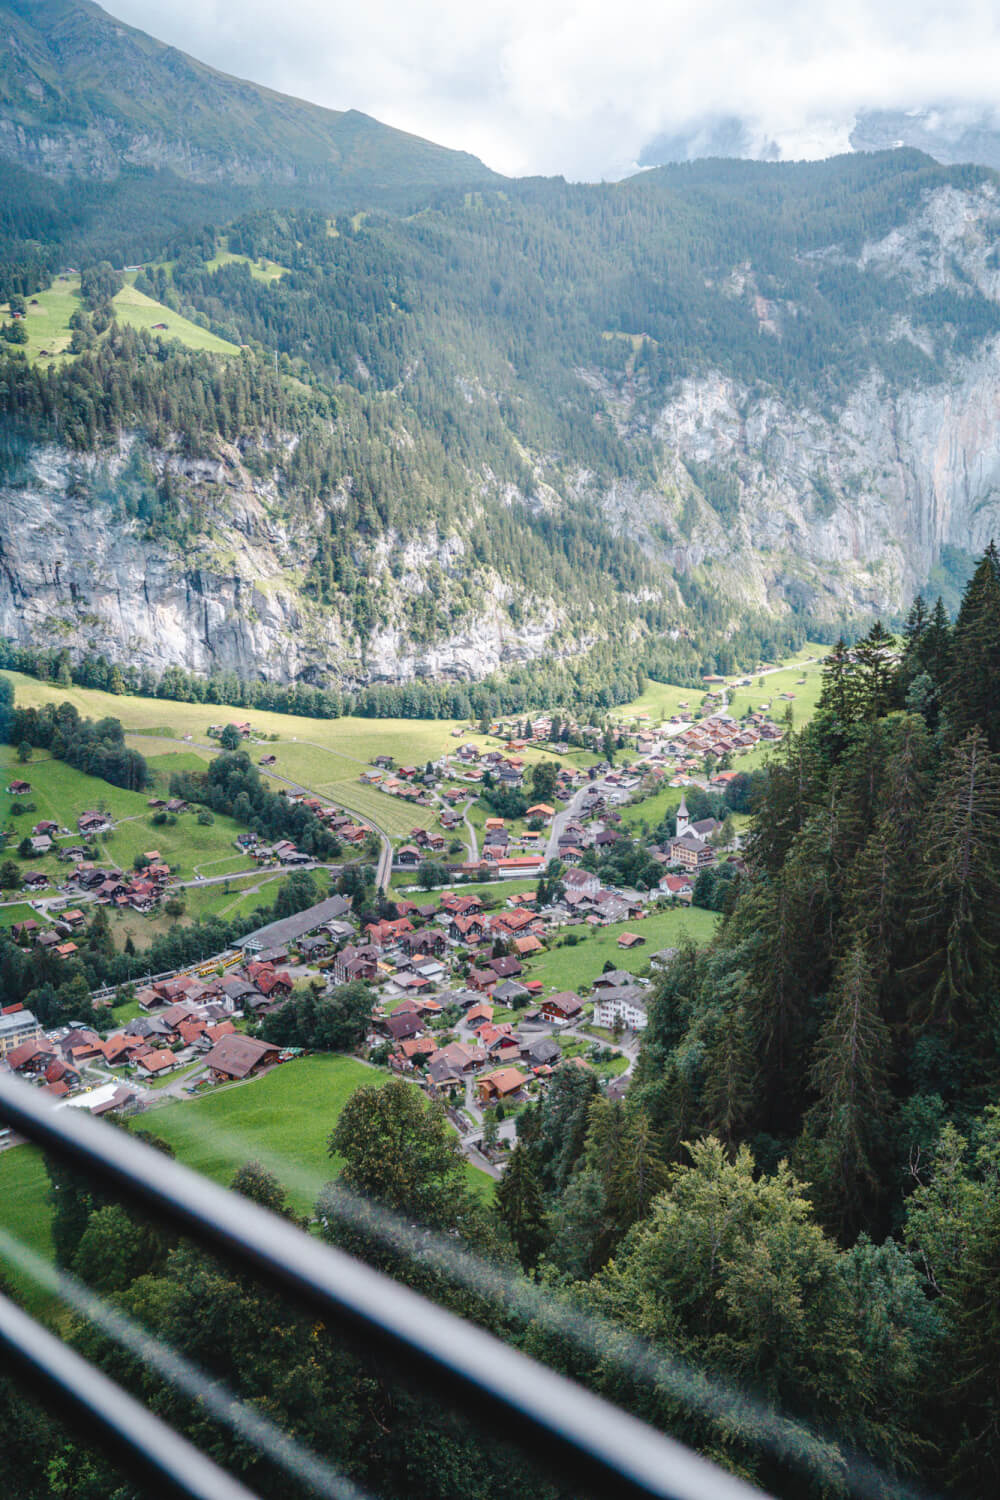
<point x="569" y="812"/>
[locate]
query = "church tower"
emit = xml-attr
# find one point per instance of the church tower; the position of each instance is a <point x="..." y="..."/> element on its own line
<point x="683" y="820"/>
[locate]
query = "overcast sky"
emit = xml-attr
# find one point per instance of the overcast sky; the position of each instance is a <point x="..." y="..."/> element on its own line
<point x="579" y="86"/>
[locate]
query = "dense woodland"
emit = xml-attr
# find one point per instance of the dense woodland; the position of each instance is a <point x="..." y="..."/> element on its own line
<point x="796" y="1205"/>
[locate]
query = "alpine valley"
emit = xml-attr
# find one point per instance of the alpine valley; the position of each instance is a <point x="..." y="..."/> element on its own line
<point x="288" y="394"/>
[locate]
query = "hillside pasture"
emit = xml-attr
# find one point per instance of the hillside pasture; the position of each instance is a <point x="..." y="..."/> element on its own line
<point x="570" y="966"/>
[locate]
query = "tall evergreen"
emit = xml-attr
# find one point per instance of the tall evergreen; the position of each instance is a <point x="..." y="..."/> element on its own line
<point x="848" y="1122"/>
<point x="522" y="1208"/>
<point x="973" y="689"/>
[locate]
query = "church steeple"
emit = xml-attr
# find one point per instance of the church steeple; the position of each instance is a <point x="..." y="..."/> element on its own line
<point x="683" y="819"/>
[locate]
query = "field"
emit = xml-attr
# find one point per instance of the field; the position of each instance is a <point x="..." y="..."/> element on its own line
<point x="49" y="312"/>
<point x="652" y="810"/>
<point x="569" y="968"/>
<point x="261" y="270"/>
<point x="282" y="1119"/>
<point x="25" y="1213"/>
<point x="61" y="793"/>
<point x="139" y="311"/>
<point x="659" y="701"/>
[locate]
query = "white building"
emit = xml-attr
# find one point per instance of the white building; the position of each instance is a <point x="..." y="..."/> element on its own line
<point x="625" y="1004"/>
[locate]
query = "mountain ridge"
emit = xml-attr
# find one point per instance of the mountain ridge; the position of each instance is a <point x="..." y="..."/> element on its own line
<point x="84" y="93"/>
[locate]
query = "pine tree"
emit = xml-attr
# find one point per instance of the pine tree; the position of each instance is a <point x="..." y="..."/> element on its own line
<point x="848" y="1120"/>
<point x="521" y="1207"/>
<point x="973" y="690"/>
<point x="956" y="916"/>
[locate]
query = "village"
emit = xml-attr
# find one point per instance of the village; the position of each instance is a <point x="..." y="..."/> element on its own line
<point x="492" y="965"/>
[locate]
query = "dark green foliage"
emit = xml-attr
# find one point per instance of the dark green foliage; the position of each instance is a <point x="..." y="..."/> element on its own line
<point x="97" y="747"/>
<point x="335" y="1022"/>
<point x="232" y="784"/>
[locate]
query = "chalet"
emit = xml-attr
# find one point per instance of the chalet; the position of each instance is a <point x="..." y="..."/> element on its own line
<point x="46" y="826"/>
<point x="34" y="880"/>
<point x="156" y="1061"/>
<point x="541" y="1053"/>
<point x="562" y="1008"/>
<point x="463" y="1057"/>
<point x="501" y="1084"/>
<point x="409" y="856"/>
<point x="355" y="962"/>
<point x="401" y="1025"/>
<point x="482" y="979"/>
<point x="510" y="992"/>
<point x="528" y="946"/>
<point x="466" y="929"/>
<point x="541" y="810"/>
<point x="19" y="788"/>
<point x="630" y="940"/>
<point x="504" y="968"/>
<point x="443" y="1076"/>
<point x="40" y="843"/>
<point x="30" y="1057"/>
<point x="25" y="932"/>
<point x="663" y="959"/>
<point x="237" y="1056"/>
<point x="93" y="822"/>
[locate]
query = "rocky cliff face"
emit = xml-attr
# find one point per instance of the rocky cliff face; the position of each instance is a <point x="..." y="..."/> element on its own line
<point x="74" y="573"/>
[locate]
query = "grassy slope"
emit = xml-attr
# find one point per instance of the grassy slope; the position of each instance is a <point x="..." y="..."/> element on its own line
<point x="268" y="271"/>
<point x="61" y="792"/>
<point x="282" y="1120"/>
<point x="140" y="311"/>
<point x="25" y="1213"/>
<point x="48" y="321"/>
<point x="568" y="968"/>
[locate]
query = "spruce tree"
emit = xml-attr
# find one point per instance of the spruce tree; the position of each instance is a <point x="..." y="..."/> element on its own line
<point x="520" y="1205"/>
<point x="956" y="915"/>
<point x="848" y="1120"/>
<point x="973" y="688"/>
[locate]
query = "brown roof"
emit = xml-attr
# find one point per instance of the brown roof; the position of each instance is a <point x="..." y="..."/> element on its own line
<point x="238" y="1055"/>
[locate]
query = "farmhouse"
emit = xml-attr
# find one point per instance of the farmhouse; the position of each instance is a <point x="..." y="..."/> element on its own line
<point x="501" y="1084"/>
<point x="236" y="1056"/>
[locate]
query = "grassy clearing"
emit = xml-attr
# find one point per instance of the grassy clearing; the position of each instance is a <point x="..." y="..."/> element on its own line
<point x="139" y="311"/>
<point x="49" y="312"/>
<point x="659" y="701"/>
<point x="283" y="1120"/>
<point x="25" y="1213"/>
<point x="48" y="315"/>
<point x="654" y="809"/>
<point x="568" y="968"/>
<point x="261" y="270"/>
<point x="18" y="911"/>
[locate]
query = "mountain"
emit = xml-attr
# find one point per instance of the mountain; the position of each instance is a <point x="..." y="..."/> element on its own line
<point x="679" y="420"/>
<point x="83" y="94"/>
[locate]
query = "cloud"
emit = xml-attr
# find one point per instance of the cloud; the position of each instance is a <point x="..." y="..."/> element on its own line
<point x="579" y="86"/>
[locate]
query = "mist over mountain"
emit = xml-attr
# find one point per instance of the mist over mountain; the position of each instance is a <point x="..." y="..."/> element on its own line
<point x="950" y="133"/>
